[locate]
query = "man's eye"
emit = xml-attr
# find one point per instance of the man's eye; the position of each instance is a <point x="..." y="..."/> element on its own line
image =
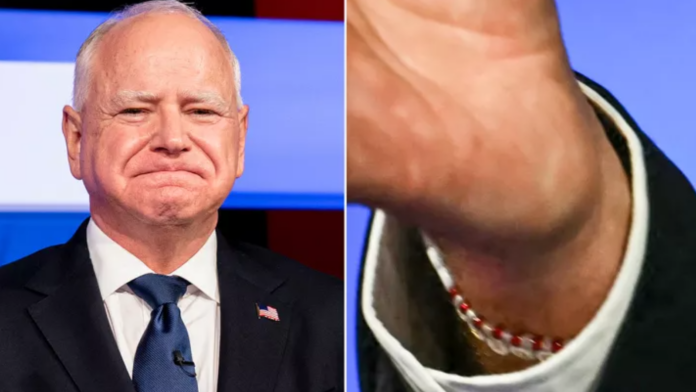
<point x="202" y="112"/>
<point x="133" y="111"/>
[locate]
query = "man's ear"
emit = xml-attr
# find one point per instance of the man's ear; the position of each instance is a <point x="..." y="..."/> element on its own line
<point x="72" y="132"/>
<point x="243" y="116"/>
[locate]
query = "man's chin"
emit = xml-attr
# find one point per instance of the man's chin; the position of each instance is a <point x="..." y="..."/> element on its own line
<point x="170" y="212"/>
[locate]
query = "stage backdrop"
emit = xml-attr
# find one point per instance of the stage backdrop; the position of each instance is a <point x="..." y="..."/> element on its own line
<point x="643" y="52"/>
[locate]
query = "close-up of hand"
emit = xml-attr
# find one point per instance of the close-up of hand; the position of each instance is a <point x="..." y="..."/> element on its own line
<point x="465" y="118"/>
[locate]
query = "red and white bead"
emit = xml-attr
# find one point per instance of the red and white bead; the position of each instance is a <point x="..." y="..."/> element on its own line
<point x="500" y="340"/>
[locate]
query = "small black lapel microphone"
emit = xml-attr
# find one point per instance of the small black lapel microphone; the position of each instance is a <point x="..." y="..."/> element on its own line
<point x="180" y="361"/>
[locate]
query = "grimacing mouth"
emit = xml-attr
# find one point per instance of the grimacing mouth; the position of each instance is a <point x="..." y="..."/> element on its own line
<point x="163" y="167"/>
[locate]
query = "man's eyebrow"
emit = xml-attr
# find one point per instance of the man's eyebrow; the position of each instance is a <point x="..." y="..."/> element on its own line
<point x="205" y="97"/>
<point x="126" y="96"/>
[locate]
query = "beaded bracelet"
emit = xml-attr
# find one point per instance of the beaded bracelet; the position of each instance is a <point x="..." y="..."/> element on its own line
<point x="500" y="340"/>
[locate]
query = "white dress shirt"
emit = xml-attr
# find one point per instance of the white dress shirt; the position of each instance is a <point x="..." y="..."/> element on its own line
<point x="129" y="315"/>
<point x="576" y="367"/>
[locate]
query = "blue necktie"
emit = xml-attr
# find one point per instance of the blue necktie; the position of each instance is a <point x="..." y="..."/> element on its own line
<point x="163" y="361"/>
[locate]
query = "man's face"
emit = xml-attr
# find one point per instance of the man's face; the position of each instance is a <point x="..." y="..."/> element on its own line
<point x="161" y="135"/>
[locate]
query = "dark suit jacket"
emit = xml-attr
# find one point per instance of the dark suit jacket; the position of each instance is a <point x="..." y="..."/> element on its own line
<point x="655" y="349"/>
<point x="55" y="336"/>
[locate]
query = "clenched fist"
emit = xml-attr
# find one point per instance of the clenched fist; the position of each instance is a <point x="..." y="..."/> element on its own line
<point x="464" y="117"/>
<point x="465" y="120"/>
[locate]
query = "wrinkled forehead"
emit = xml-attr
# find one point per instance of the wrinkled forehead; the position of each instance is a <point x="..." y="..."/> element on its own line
<point x="155" y="51"/>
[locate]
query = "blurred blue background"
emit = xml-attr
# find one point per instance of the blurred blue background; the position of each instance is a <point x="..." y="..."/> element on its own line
<point x="644" y="52"/>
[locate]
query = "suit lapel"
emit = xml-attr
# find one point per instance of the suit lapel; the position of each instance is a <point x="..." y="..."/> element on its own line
<point x="73" y="320"/>
<point x="251" y="347"/>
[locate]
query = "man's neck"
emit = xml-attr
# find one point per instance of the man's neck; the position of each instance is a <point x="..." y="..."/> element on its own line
<point x="161" y="247"/>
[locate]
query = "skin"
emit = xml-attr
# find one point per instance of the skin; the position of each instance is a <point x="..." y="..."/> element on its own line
<point x="160" y="139"/>
<point x="492" y="150"/>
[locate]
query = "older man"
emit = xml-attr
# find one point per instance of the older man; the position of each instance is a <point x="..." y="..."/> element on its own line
<point x="146" y="296"/>
<point x="529" y="237"/>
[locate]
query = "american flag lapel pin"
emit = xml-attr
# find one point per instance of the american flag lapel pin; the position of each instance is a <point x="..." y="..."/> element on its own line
<point x="268" y="312"/>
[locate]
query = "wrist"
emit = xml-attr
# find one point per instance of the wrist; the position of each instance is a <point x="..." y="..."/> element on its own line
<point x="551" y="290"/>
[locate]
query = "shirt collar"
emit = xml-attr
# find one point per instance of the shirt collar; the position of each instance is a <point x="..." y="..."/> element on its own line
<point x="201" y="269"/>
<point x="114" y="266"/>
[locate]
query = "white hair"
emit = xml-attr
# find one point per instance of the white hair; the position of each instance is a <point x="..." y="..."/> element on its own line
<point x="88" y="48"/>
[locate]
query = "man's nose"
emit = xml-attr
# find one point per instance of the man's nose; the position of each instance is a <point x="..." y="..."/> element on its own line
<point x="171" y="136"/>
